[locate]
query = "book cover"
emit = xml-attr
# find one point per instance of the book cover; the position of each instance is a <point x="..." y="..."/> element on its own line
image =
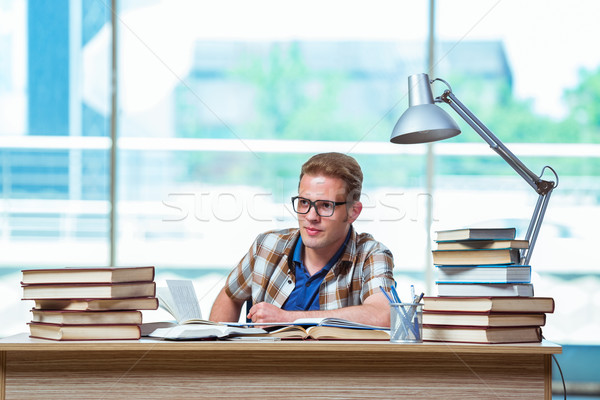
<point x="483" y="319"/>
<point x="482" y="244"/>
<point x="71" y="317"/>
<point x="131" y="303"/>
<point x="83" y="332"/>
<point x="484" y="335"/>
<point x="87" y="275"/>
<point x="476" y="234"/>
<point x="489" y="304"/>
<point x="476" y="257"/>
<point x="88" y="290"/>
<point x="483" y="274"/>
<point x="476" y="289"/>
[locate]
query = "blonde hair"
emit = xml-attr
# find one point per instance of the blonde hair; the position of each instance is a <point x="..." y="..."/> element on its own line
<point x="337" y="165"/>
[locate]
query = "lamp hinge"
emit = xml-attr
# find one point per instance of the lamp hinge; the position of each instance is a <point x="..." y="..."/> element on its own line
<point x="544" y="187"/>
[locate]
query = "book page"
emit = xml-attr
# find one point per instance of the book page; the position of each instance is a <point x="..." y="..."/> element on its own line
<point x="181" y="332"/>
<point x="336" y="322"/>
<point x="323" y="321"/>
<point x="185" y="301"/>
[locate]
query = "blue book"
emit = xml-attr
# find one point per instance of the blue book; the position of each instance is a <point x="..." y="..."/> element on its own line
<point x="483" y="274"/>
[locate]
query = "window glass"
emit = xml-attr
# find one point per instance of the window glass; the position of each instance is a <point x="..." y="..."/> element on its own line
<point x="532" y="84"/>
<point x="214" y="130"/>
<point x="217" y="111"/>
<point x="53" y="142"/>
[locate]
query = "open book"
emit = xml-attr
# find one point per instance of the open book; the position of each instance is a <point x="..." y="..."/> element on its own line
<point x="322" y="328"/>
<point x="322" y="332"/>
<point x="192" y="331"/>
<point x="179" y="299"/>
<point x="325" y="321"/>
<point x="336" y="322"/>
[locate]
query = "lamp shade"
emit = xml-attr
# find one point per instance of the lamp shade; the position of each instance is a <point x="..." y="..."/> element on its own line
<point x="423" y="121"/>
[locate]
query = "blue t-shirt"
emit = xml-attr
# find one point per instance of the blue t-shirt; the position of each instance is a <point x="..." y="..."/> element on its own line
<point x="305" y="295"/>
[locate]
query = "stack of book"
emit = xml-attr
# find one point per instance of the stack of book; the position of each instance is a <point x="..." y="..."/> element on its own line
<point x="485" y="319"/>
<point x="481" y="262"/>
<point x="482" y="266"/>
<point x="89" y="303"/>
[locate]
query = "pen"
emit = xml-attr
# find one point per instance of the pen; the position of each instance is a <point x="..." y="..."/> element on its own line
<point x="412" y="293"/>
<point x="395" y="294"/>
<point x="387" y="296"/>
<point x="416" y="329"/>
<point x="418" y="300"/>
<point x="400" y="313"/>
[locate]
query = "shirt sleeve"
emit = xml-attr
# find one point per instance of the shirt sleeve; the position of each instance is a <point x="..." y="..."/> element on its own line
<point x="377" y="271"/>
<point x="238" y="285"/>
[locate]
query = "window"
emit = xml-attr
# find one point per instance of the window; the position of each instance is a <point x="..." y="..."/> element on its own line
<point x="218" y="110"/>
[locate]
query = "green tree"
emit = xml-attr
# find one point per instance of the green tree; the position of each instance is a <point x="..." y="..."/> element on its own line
<point x="294" y="101"/>
<point x="583" y="102"/>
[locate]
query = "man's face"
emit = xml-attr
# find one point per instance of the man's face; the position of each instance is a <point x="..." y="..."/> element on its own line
<point x="326" y="233"/>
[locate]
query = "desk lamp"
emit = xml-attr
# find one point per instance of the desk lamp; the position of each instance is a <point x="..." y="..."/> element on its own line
<point x="425" y="122"/>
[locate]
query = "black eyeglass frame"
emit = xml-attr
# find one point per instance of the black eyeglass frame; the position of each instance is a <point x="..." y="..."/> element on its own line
<point x="312" y="204"/>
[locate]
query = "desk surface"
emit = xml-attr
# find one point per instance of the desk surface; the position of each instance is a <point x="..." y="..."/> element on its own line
<point x="152" y="369"/>
<point x="22" y="342"/>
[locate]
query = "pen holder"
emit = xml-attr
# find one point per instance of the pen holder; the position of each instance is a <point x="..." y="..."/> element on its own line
<point x="406" y="322"/>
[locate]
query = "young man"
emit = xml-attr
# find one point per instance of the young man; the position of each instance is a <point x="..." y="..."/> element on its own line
<point x="323" y="268"/>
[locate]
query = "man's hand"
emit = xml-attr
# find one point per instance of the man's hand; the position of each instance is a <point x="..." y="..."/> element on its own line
<point x="265" y="312"/>
<point x="374" y="311"/>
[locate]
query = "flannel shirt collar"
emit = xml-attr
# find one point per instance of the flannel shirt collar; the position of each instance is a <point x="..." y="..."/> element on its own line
<point x="341" y="266"/>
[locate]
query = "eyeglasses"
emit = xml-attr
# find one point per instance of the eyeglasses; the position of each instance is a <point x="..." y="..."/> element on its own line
<point x="324" y="208"/>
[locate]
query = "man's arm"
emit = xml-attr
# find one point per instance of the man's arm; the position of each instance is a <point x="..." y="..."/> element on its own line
<point x="375" y="310"/>
<point x="225" y="309"/>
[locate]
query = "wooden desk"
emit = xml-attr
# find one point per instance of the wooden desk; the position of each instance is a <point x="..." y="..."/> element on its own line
<point x="150" y="369"/>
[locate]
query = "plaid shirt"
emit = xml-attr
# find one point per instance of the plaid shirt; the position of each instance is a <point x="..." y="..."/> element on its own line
<point x="266" y="273"/>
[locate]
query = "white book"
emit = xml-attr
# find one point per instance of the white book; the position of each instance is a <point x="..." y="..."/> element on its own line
<point x="180" y="300"/>
<point x="203" y="331"/>
<point x="472" y="289"/>
<point x="483" y="274"/>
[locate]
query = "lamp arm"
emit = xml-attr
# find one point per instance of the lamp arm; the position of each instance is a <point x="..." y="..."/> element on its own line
<point x="529" y="176"/>
<point x="534" y="226"/>
<point x="542" y="187"/>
